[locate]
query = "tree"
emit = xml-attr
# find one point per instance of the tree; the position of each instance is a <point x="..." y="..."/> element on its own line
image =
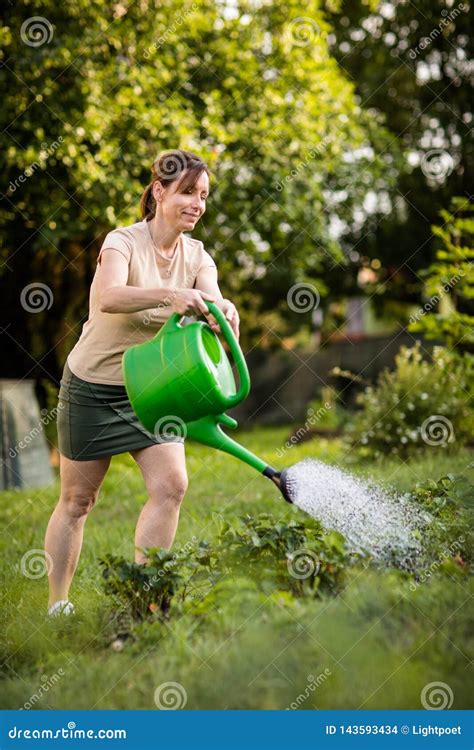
<point x="253" y="90"/>
<point x="448" y="312"/>
<point x="410" y="61"/>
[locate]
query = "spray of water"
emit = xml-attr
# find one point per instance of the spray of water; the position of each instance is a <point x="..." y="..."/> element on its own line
<point x="374" y="522"/>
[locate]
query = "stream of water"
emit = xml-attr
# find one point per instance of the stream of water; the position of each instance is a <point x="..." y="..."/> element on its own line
<point x="374" y="521"/>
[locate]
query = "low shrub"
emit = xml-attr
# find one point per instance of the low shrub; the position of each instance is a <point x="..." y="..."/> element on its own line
<point x="420" y="404"/>
<point x="293" y="556"/>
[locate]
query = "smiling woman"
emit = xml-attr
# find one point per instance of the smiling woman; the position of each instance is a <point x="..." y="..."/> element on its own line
<point x="145" y="272"/>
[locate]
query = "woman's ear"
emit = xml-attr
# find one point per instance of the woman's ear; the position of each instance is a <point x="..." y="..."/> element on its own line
<point x="157" y="191"/>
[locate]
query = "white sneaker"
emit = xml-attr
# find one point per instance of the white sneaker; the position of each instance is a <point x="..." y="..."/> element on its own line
<point x="62" y="607"/>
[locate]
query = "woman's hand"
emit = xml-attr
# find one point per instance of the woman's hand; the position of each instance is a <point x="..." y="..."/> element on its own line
<point x="230" y="311"/>
<point x="190" y="302"/>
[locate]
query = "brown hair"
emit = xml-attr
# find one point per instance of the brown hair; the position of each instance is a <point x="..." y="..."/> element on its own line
<point x="169" y="167"/>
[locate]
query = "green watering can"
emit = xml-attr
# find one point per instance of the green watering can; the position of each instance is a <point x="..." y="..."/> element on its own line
<point x="184" y="375"/>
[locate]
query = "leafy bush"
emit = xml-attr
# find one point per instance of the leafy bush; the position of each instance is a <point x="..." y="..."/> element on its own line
<point x="450" y="502"/>
<point x="294" y="556"/>
<point x="448" y="313"/>
<point x="143" y="588"/>
<point x="418" y="405"/>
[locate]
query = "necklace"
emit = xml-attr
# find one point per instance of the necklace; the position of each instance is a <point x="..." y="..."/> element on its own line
<point x="157" y="249"/>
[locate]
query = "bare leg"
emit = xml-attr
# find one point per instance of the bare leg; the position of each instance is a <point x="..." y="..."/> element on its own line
<point x="80" y="483"/>
<point x="164" y="471"/>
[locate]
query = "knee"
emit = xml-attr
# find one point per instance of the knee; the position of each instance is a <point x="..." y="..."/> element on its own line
<point x="78" y="502"/>
<point x="173" y="487"/>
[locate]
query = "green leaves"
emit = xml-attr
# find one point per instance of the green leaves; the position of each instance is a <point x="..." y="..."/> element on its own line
<point x="450" y="281"/>
<point x="259" y="101"/>
<point x="271" y="556"/>
<point x="420" y="405"/>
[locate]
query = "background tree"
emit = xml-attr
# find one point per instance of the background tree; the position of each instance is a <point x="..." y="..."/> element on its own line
<point x="97" y="90"/>
<point x="413" y="63"/>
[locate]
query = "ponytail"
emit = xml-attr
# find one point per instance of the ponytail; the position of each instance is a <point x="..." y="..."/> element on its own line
<point x="147" y="202"/>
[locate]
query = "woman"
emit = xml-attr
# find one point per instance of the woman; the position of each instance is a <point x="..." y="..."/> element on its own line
<point x="145" y="272"/>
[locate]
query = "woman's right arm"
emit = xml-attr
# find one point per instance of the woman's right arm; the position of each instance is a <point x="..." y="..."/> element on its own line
<point x="116" y="297"/>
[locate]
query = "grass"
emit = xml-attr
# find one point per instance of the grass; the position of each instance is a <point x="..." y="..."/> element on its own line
<point x="374" y="645"/>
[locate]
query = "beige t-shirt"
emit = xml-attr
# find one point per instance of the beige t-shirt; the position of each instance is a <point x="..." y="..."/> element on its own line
<point x="97" y="356"/>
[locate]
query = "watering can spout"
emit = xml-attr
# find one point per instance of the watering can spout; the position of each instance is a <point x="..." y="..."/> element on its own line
<point x="279" y="478"/>
<point x="208" y="431"/>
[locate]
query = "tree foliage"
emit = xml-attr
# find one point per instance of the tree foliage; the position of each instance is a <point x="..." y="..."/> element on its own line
<point x="254" y="91"/>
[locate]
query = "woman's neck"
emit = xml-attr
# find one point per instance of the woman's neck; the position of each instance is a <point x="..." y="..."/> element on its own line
<point x="165" y="238"/>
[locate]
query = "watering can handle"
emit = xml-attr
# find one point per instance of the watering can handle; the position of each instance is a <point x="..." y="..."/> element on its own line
<point x="236" y="351"/>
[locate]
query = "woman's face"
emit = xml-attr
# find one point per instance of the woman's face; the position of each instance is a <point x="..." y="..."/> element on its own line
<point x="184" y="210"/>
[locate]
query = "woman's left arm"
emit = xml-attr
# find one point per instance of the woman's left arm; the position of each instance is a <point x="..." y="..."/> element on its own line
<point x="206" y="281"/>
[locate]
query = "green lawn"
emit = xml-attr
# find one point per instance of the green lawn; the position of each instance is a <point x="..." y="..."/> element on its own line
<point x="375" y="644"/>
